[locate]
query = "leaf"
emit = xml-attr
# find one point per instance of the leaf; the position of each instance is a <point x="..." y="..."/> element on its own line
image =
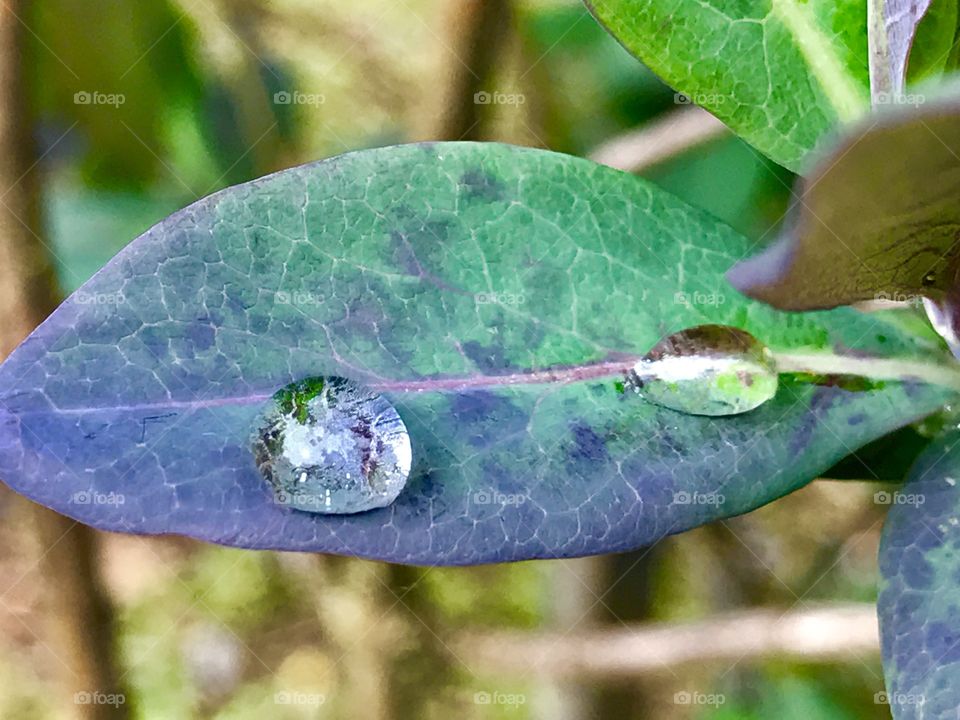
<point x="919" y="604"/>
<point x="109" y="98"/>
<point x="877" y="218"/>
<point x="780" y="73"/>
<point x="891" y="27"/>
<point x="932" y="41"/>
<point x="494" y="294"/>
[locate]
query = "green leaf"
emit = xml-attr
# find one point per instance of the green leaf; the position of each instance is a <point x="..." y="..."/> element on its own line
<point x="494" y="295"/>
<point x="877" y="218"/>
<point x="919" y="604"/>
<point x="780" y="73"/>
<point x="932" y="42"/>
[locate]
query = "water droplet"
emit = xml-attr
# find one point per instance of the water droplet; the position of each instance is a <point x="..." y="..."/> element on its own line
<point x="707" y="370"/>
<point x="330" y="445"/>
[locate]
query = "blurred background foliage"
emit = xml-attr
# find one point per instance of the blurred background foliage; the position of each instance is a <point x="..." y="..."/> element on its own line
<point x="210" y="632"/>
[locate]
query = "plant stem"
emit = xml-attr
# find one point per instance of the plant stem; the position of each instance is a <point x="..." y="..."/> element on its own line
<point x="873" y="368"/>
<point x="664" y="138"/>
<point x="479" y="29"/>
<point x="81" y="613"/>
<point x="841" y="632"/>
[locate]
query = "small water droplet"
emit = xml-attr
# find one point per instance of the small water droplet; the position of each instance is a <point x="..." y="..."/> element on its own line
<point x="330" y="445"/>
<point x="707" y="370"/>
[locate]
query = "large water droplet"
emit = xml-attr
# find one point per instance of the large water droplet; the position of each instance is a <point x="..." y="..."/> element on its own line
<point x="707" y="370"/>
<point x="329" y="445"/>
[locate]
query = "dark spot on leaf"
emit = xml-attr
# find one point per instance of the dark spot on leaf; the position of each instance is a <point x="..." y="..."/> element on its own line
<point x="201" y="334"/>
<point x="482" y="185"/>
<point x="486" y="417"/>
<point x="821" y="401"/>
<point x="917" y="572"/>
<point x="943" y="642"/>
<point x="488" y="358"/>
<point x="587" y="444"/>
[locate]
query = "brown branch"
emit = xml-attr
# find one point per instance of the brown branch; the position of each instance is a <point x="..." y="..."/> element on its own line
<point x="479" y="29"/>
<point x="832" y="633"/>
<point x="28" y="293"/>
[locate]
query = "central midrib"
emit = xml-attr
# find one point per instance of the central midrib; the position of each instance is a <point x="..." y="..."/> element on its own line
<point x="821" y="57"/>
<point x="563" y="375"/>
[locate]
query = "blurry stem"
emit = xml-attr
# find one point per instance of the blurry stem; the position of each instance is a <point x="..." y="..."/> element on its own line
<point x="828" y="634"/>
<point x="424" y="668"/>
<point x="881" y="76"/>
<point x="28" y="293"/>
<point x="352" y="614"/>
<point x="627" y="597"/>
<point x="659" y="140"/>
<point x="575" y="585"/>
<point x="479" y="29"/>
<point x="873" y="368"/>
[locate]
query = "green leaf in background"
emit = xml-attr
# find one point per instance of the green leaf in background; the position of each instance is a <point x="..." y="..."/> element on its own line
<point x="932" y="42"/>
<point x="494" y="295"/>
<point x="780" y="73"/>
<point x="117" y="111"/>
<point x="918" y="606"/>
<point x="731" y="181"/>
<point x="605" y="91"/>
<point x="877" y="218"/>
<point x="87" y="228"/>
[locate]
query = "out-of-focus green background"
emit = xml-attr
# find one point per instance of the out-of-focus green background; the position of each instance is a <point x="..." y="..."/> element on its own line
<point x="142" y="107"/>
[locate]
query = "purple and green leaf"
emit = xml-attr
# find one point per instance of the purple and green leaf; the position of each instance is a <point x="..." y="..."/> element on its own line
<point x="919" y="604"/>
<point x="932" y="42"/>
<point x="494" y="295"/>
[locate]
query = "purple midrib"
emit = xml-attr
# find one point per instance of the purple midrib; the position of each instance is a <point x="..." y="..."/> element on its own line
<point x="550" y="376"/>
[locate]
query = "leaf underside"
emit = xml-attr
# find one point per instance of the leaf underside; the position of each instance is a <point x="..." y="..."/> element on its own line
<point x="449" y="276"/>
<point x="892" y="26"/>
<point x="918" y="606"/>
<point x="877" y="218"/>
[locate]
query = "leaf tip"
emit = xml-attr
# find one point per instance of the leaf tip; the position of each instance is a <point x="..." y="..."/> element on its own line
<point x="760" y="277"/>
